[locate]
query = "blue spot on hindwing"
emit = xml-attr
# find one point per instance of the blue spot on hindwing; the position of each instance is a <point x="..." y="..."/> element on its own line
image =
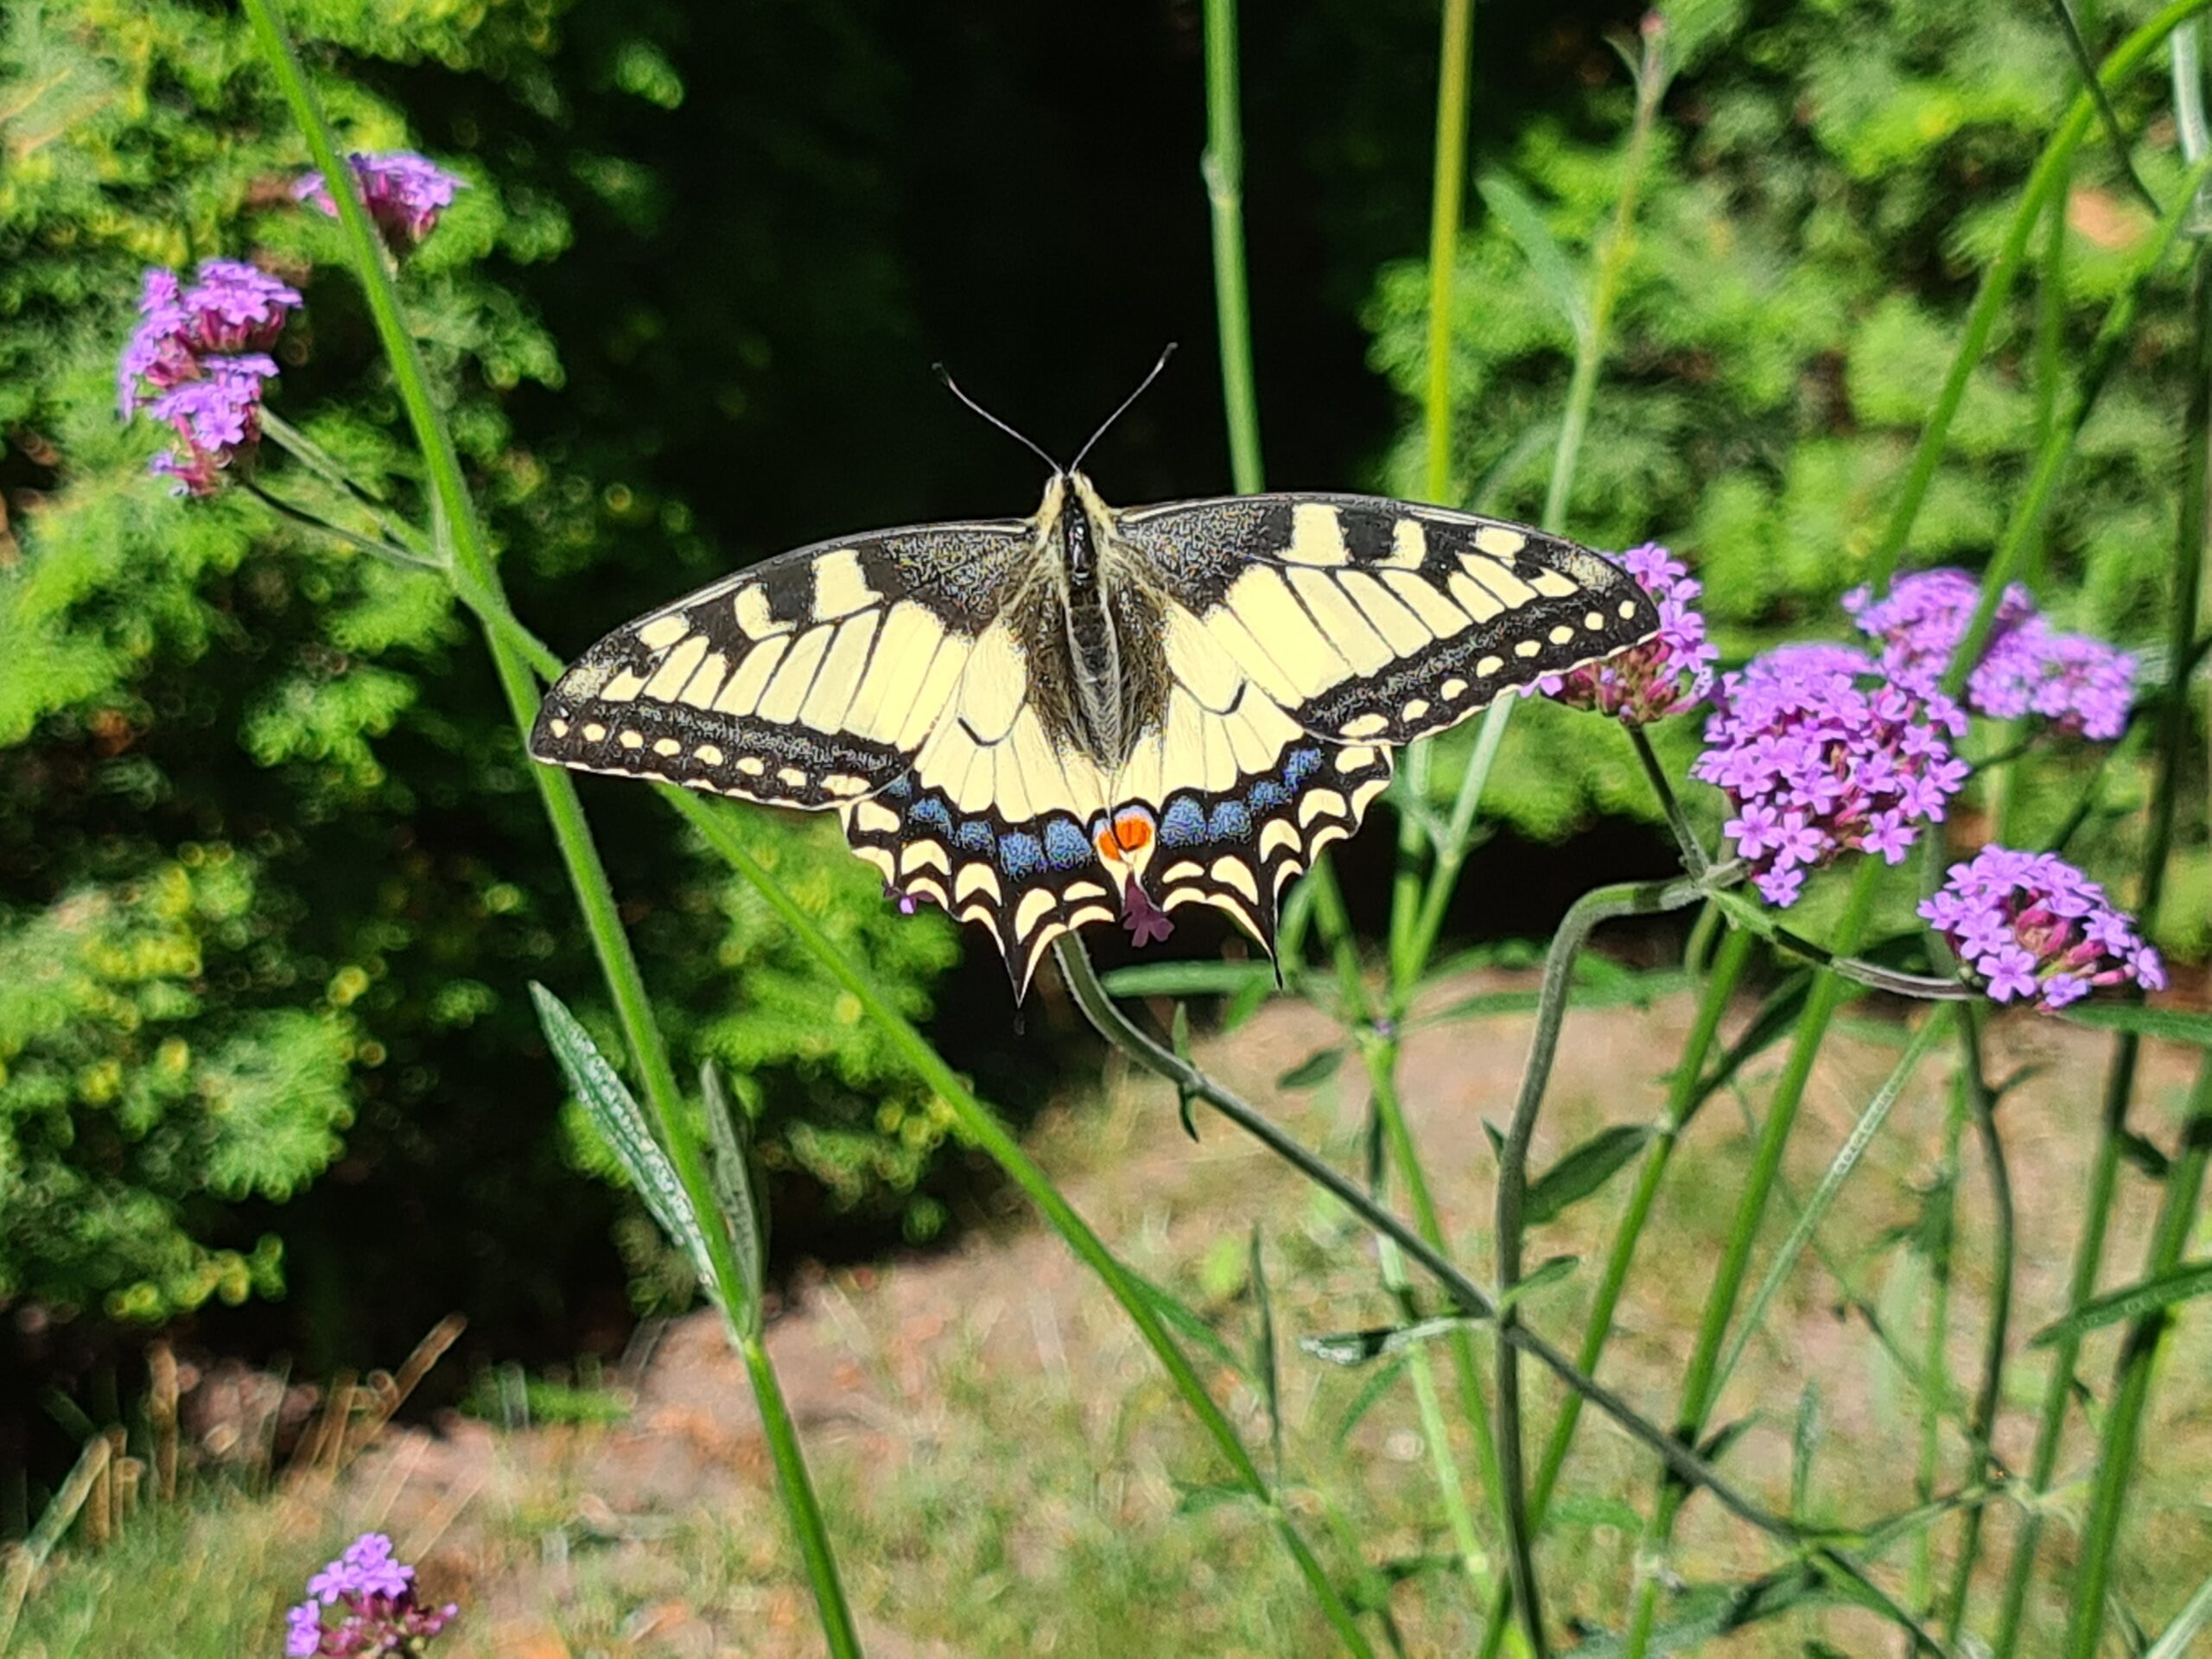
<point x="1300" y="764"/>
<point x="933" y="813"/>
<point x="899" y="788"/>
<point x="1266" y="795"/>
<point x="977" y="835"/>
<point x="1230" y="822"/>
<point x="1067" y="847"/>
<point x="1021" y="855"/>
<point x="1183" y="823"/>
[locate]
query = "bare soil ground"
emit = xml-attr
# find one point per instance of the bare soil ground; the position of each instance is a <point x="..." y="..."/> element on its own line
<point x="999" y="1368"/>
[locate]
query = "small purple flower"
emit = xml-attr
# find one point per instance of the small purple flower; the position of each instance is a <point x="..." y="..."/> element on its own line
<point x="2031" y="926"/>
<point x="373" y="1597"/>
<point x="1819" y="757"/>
<point x="2082" y="686"/>
<point x="235" y="307"/>
<point x="216" y="418"/>
<point x="404" y="193"/>
<point x="197" y="358"/>
<point x="159" y="352"/>
<point x="1668" y="672"/>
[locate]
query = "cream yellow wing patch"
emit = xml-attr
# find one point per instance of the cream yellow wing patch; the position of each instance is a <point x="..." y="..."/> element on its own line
<point x="812" y="680"/>
<point x="1374" y="621"/>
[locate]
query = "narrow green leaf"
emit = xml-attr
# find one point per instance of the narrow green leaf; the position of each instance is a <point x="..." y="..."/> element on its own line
<point x="1377" y="1384"/>
<point x="2195" y="1618"/>
<point x="1198" y="1497"/>
<point x="730" y="1135"/>
<point x="1719" y="1443"/>
<point x="1246" y="1002"/>
<point x="1804" y="1444"/>
<point x="1357" y="1347"/>
<point x="1186" y="978"/>
<point x="1316" y="1068"/>
<point x="1524" y="223"/>
<point x="616" y="1116"/>
<point x="1583" y="1170"/>
<point x="1185" y="1320"/>
<point x="1705" y="1611"/>
<point x="1264" y="1359"/>
<point x="2144" y="1153"/>
<point x="2130" y="1302"/>
<point x="1547" y="1273"/>
<point x="1178" y="1034"/>
<point x="2170" y="1024"/>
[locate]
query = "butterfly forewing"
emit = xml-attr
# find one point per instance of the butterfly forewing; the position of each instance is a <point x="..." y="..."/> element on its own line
<point x="810" y="680"/>
<point x="1370" y="621"/>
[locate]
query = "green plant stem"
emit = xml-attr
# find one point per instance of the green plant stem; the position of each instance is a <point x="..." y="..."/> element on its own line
<point x="983" y="1130"/>
<point x="2105" y="113"/>
<point x="1223" y="168"/>
<point x="1446" y="197"/>
<point x="1815" y="1208"/>
<point x="1700" y="1385"/>
<point x="2052" y="170"/>
<point x="2134" y="1374"/>
<point x="2050" y="349"/>
<point x="1982" y="1100"/>
<point x="475" y="581"/>
<point x="2173" y="737"/>
<point x="1935" y="1349"/>
<point x="1602" y="904"/>
<point x="1732" y="956"/>
<point x="1682" y="1461"/>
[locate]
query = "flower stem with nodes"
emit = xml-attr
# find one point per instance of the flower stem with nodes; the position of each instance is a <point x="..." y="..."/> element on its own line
<point x="1680" y="1456"/>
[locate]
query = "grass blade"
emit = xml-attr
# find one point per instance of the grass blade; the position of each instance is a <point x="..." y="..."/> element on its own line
<point x="2134" y="1302"/>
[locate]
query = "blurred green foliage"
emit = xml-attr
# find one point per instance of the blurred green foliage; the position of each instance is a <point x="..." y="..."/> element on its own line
<point x="1826" y="182"/>
<point x="274" y="872"/>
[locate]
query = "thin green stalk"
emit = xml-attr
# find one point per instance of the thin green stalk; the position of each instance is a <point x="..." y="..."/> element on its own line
<point x="2134" y="1374"/>
<point x="2052" y="170"/>
<point x="1683" y="1462"/>
<point x="1934" y="1350"/>
<point x="1381" y="1054"/>
<point x="2105" y="113"/>
<point x="1733" y="955"/>
<point x="1602" y="904"/>
<point x="1700" y="1385"/>
<point x="1815" y="1208"/>
<point x="1446" y="197"/>
<point x="476" y="579"/>
<point x="1983" y="1102"/>
<point x="2190" y="544"/>
<point x="1223" y="169"/>
<point x="983" y="1130"/>
<point x="2050" y="349"/>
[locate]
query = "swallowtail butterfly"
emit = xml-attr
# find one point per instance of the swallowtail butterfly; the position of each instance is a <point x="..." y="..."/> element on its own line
<point x="1092" y="714"/>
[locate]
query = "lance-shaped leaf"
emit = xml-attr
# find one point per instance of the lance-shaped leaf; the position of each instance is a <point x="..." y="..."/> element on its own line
<point x="1186" y="978"/>
<point x="616" y="1115"/>
<point x="729" y="1132"/>
<point x="1583" y="1170"/>
<point x="1546" y="259"/>
<point x="2129" y="1302"/>
<point x="2171" y="1025"/>
<point x="1264" y="1359"/>
<point x="1316" y="1068"/>
<point x="1358" y="1347"/>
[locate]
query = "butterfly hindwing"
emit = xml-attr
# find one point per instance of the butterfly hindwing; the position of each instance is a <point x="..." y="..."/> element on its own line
<point x="1369" y="620"/>
<point x="810" y="680"/>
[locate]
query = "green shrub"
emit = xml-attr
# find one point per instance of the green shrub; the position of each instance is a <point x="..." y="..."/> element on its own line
<point x="1792" y="298"/>
<point x="273" y="866"/>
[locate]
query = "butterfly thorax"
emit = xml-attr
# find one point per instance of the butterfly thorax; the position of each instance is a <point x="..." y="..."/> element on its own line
<point x="1091" y="628"/>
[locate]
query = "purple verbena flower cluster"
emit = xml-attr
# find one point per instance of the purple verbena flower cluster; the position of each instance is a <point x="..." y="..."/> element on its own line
<point x="1819" y="757"/>
<point x="2082" y="686"/>
<point x="404" y="193"/>
<point x="2029" y="926"/>
<point x="1671" y="671"/>
<point x="198" y="361"/>
<point x="372" y="1595"/>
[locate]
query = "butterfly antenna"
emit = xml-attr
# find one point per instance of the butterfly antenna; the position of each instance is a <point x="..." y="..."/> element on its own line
<point x="953" y="386"/>
<point x="1166" y="352"/>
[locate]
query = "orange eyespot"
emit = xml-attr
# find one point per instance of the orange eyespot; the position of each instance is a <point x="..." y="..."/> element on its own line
<point x="1104" y="840"/>
<point x="1134" y="831"/>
